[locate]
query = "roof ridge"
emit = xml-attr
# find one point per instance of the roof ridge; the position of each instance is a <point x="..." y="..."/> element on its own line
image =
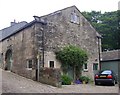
<point x="11" y="29"/>
<point x="57" y="11"/>
<point x="13" y="25"/>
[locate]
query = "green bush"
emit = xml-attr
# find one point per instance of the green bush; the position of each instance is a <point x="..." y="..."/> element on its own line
<point x="66" y="80"/>
<point x="84" y="78"/>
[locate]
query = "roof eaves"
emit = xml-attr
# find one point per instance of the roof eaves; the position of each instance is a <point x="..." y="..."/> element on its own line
<point x="26" y="26"/>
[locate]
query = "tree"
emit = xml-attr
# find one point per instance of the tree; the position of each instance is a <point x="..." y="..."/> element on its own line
<point x="74" y="57"/>
<point x="118" y="32"/>
<point x="107" y="25"/>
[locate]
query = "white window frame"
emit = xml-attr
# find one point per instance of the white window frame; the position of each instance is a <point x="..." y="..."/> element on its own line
<point x="85" y="69"/>
<point x="49" y="64"/>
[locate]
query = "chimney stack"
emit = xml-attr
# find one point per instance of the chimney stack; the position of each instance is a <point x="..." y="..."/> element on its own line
<point x="13" y="23"/>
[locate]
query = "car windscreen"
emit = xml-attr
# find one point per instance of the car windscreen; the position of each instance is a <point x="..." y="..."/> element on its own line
<point x="106" y="72"/>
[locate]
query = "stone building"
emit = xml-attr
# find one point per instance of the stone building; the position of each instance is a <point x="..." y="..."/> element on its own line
<point x="28" y="46"/>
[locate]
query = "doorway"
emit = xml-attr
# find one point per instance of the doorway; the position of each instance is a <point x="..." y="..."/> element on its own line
<point x="8" y="60"/>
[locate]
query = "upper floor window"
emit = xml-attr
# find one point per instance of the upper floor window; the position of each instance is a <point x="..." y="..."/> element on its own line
<point x="74" y="18"/>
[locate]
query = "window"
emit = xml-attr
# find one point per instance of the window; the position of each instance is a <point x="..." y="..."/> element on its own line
<point x="51" y="64"/>
<point x="85" y="67"/>
<point x="74" y="18"/>
<point x="29" y="64"/>
<point x="95" y="66"/>
<point x="106" y="72"/>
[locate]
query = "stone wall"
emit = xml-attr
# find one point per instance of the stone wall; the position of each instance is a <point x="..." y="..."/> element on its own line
<point x="61" y="31"/>
<point x="1" y="55"/>
<point x="21" y="45"/>
<point x="50" y="76"/>
<point x="50" y="56"/>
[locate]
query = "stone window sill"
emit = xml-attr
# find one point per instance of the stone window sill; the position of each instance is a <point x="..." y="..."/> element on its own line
<point x="29" y="68"/>
<point x="85" y="70"/>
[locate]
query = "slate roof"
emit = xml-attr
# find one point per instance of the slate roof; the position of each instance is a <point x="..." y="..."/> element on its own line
<point x="4" y="33"/>
<point x="110" y="55"/>
<point x="7" y="32"/>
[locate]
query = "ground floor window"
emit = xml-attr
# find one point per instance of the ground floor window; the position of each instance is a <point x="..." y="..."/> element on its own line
<point x="85" y="67"/>
<point x="29" y="63"/>
<point x="95" y="66"/>
<point x="51" y="64"/>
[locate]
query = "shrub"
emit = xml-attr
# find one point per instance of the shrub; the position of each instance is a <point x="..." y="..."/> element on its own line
<point x="84" y="78"/>
<point x="66" y="80"/>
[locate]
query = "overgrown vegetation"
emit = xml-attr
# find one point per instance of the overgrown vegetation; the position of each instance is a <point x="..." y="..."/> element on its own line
<point x="66" y="80"/>
<point x="72" y="56"/>
<point x="107" y="25"/>
<point x="84" y="79"/>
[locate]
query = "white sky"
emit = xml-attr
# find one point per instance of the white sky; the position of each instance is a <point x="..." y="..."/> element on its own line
<point x="24" y="10"/>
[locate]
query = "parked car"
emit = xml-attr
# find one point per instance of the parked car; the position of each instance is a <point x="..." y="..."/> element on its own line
<point x="105" y="76"/>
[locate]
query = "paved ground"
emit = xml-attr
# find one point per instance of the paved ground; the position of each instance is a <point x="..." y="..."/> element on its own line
<point x="12" y="83"/>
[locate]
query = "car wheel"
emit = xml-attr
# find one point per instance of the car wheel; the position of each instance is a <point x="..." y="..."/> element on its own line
<point x="113" y="83"/>
<point x="96" y="83"/>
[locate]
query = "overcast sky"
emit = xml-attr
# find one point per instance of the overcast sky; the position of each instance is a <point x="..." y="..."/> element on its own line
<point x="24" y="10"/>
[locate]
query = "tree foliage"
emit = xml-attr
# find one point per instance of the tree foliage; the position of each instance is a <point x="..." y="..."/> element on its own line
<point x="118" y="34"/>
<point x="107" y="25"/>
<point x="72" y="56"/>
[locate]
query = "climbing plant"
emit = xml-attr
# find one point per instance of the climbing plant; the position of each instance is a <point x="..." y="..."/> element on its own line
<point x="72" y="56"/>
